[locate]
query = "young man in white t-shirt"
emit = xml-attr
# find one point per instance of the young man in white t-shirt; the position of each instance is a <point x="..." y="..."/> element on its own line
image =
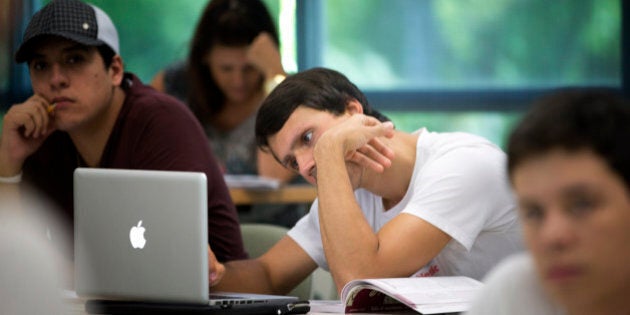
<point x="390" y="203"/>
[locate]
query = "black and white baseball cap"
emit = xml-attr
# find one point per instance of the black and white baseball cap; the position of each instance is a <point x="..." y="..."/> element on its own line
<point x="72" y="19"/>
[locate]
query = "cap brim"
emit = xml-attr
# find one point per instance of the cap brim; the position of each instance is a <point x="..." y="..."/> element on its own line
<point x="26" y="48"/>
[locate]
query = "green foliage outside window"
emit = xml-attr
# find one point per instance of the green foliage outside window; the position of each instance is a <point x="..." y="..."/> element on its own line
<point x="409" y="44"/>
<point x="455" y="44"/>
<point x="155" y="33"/>
<point x="494" y="126"/>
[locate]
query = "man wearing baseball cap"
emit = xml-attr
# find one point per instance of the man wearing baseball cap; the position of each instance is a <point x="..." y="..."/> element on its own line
<point x="87" y="112"/>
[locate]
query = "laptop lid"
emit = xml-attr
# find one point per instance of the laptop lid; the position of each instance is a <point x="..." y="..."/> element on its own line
<point x="141" y="235"/>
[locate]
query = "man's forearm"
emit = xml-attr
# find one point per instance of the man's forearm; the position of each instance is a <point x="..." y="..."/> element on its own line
<point x="348" y="239"/>
<point x="245" y="276"/>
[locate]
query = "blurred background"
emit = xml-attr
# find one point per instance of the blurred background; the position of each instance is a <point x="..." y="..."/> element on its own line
<point x="449" y="65"/>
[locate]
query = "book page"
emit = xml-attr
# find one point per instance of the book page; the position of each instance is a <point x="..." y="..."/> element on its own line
<point x="327" y="306"/>
<point x="423" y="294"/>
<point x="369" y="299"/>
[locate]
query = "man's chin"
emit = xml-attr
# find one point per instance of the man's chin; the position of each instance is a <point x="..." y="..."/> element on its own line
<point x="63" y="127"/>
<point x="66" y="126"/>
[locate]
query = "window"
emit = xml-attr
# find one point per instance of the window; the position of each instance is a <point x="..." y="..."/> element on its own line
<point x="471" y="45"/>
<point x="446" y="64"/>
<point x="463" y="65"/>
<point x="156" y="33"/>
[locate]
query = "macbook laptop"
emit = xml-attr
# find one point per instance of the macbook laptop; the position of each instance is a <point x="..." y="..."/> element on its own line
<point x="141" y="244"/>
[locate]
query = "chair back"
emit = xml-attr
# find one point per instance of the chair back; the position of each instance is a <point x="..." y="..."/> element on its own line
<point x="259" y="237"/>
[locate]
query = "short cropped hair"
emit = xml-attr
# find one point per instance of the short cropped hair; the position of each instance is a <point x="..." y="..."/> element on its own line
<point x="318" y="88"/>
<point x="575" y="120"/>
<point x="107" y="53"/>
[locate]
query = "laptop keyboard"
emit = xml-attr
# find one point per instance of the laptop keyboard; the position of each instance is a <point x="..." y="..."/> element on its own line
<point x="222" y="299"/>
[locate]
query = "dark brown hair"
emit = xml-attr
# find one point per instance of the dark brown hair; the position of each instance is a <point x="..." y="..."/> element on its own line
<point x="233" y="23"/>
<point x="318" y="88"/>
<point x="574" y="120"/>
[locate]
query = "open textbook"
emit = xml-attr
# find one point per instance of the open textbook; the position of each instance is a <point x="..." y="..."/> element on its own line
<point x="425" y="295"/>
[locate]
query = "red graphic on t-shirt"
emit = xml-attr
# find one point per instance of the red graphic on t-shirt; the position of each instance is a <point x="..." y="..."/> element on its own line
<point x="432" y="271"/>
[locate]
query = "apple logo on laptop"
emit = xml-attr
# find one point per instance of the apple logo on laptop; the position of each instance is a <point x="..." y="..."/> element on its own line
<point x="136" y="236"/>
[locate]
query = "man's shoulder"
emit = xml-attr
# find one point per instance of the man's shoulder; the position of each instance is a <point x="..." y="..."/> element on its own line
<point x="511" y="277"/>
<point x="510" y="286"/>
<point x="452" y="139"/>
<point x="468" y="160"/>
<point x="136" y="90"/>
<point x="514" y="267"/>
<point x="439" y="144"/>
<point x="143" y="100"/>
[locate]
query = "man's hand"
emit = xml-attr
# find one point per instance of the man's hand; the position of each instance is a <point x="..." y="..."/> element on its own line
<point x="24" y="129"/>
<point x="360" y="139"/>
<point x="215" y="269"/>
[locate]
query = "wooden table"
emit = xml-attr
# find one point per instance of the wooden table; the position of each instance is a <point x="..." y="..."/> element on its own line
<point x="292" y="193"/>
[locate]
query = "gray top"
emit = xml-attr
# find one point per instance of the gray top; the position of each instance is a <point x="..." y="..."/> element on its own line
<point x="235" y="149"/>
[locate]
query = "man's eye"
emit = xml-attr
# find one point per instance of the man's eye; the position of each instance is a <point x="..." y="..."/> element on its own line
<point x="307" y="137"/>
<point x="250" y="69"/>
<point x="38" y="65"/>
<point x="74" y="59"/>
<point x="532" y="213"/>
<point x="582" y="206"/>
<point x="226" y="69"/>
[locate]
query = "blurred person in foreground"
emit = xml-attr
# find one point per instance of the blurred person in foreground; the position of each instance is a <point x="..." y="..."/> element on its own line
<point x="87" y="112"/>
<point x="569" y="164"/>
<point x="389" y="203"/>
<point x="34" y="246"/>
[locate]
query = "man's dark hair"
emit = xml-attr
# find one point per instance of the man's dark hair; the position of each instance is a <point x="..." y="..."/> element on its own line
<point x="318" y="88"/>
<point x="574" y="120"/>
<point x="107" y="54"/>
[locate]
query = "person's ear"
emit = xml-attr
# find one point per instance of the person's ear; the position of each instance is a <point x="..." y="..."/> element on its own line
<point x="354" y="107"/>
<point x="116" y="70"/>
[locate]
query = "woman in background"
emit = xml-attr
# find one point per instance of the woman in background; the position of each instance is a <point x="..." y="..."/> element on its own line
<point x="233" y="64"/>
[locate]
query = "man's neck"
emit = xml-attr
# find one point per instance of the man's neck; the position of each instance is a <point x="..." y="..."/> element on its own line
<point x="91" y="139"/>
<point x="393" y="183"/>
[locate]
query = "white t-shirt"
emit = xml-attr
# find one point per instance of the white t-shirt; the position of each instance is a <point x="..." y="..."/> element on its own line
<point x="512" y="288"/>
<point x="458" y="185"/>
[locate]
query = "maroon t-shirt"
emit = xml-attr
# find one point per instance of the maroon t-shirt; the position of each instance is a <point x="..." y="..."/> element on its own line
<point x="155" y="132"/>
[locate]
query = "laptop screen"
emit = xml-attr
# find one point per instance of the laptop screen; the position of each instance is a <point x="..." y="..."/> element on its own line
<point x="141" y="235"/>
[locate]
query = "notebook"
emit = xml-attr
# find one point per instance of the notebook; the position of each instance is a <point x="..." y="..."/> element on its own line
<point x="141" y="244"/>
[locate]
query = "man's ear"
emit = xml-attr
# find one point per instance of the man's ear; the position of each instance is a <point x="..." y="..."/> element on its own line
<point x="116" y="70"/>
<point x="354" y="107"/>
